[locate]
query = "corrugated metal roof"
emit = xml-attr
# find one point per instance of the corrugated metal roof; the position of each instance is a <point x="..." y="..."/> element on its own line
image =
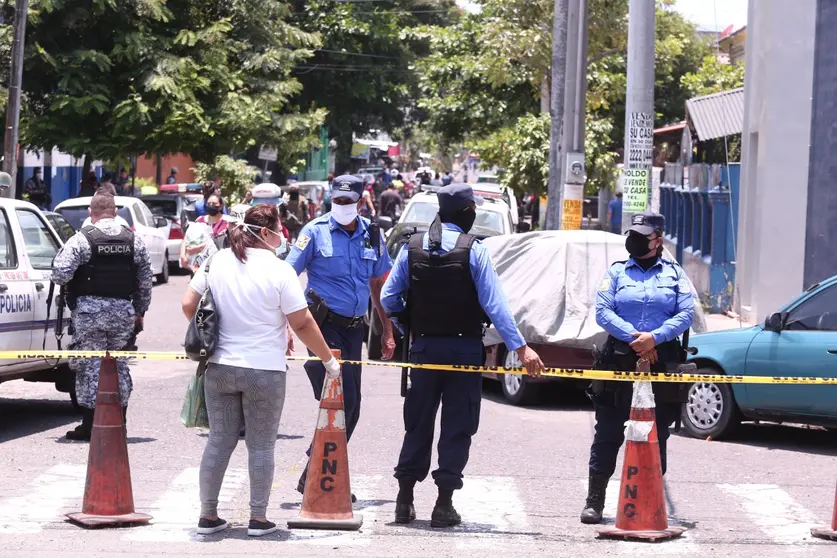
<point x="717" y="115"/>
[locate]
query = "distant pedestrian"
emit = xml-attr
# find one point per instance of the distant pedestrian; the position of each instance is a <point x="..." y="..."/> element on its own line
<point x="447" y="179"/>
<point x="391" y="203"/>
<point x="614" y="213"/>
<point x="34" y="191"/>
<point x="258" y="295"/>
<point x="89" y="186"/>
<point x="172" y="179"/>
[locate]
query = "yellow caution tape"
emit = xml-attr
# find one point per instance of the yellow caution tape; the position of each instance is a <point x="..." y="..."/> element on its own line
<point x="571" y="373"/>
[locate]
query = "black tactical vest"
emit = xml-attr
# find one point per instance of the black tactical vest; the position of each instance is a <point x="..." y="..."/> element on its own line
<point x="442" y="299"/>
<point x="110" y="273"/>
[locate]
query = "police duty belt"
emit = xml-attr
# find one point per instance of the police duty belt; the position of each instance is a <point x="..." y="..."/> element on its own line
<point x="570" y="373"/>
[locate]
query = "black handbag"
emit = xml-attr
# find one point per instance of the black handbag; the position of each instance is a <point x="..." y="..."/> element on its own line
<point x="202" y="335"/>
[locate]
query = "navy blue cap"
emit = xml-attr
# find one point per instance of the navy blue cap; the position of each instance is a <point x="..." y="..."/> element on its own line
<point x="454" y="197"/>
<point x="347" y="186"/>
<point x="647" y="223"/>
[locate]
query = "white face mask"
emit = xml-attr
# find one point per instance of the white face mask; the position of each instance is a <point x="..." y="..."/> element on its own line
<point x="344" y="214"/>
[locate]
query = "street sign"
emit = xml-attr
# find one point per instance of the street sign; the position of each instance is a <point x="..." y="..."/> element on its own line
<point x="268" y="153"/>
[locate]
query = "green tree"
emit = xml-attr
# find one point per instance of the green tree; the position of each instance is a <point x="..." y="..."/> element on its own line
<point x="713" y="76"/>
<point x="235" y="175"/>
<point x="362" y="72"/>
<point x="110" y="78"/>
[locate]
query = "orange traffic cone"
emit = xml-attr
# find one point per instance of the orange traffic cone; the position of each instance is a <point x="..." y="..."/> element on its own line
<point x="327" y="501"/>
<point x="108" y="496"/>
<point x="824" y="532"/>
<point x="641" y="514"/>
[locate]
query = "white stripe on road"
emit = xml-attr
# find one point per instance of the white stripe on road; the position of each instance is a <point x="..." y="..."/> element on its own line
<point x="364" y="488"/>
<point x="53" y="491"/>
<point x="684" y="544"/>
<point x="491" y="511"/>
<point x="176" y="513"/>
<point x="776" y="513"/>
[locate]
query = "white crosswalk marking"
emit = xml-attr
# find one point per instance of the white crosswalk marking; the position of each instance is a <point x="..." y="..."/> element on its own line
<point x="60" y="486"/>
<point x="176" y="512"/>
<point x="778" y="515"/>
<point x="490" y="507"/>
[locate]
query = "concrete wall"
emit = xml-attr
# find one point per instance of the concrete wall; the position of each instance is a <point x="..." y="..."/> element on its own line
<point x="696" y="268"/>
<point x="777" y="129"/>
<point x="147" y="168"/>
<point x="820" y="253"/>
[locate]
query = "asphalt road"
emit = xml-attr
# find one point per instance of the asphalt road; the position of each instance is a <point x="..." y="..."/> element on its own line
<point x="757" y="495"/>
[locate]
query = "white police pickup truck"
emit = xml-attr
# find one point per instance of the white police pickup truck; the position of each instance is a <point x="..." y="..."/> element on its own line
<point x="28" y="244"/>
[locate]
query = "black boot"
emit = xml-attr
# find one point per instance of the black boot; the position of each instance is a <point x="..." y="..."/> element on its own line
<point x="444" y="514"/>
<point x="597" y="485"/>
<point x="405" y="511"/>
<point x="82" y="432"/>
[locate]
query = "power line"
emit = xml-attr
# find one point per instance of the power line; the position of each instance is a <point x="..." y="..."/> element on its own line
<point x="358" y="54"/>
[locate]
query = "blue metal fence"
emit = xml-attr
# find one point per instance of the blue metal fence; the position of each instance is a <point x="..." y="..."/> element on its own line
<point x="702" y="219"/>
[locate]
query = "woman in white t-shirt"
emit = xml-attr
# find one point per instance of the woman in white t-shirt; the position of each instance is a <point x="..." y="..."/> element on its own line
<point x="257" y="296"/>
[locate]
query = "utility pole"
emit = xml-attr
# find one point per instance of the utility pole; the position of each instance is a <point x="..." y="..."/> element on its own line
<point x="572" y="172"/>
<point x="639" y="111"/>
<point x="556" y="130"/>
<point x="13" y="109"/>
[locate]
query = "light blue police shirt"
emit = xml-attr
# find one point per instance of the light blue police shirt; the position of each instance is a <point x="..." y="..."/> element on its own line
<point x="339" y="264"/>
<point x="489" y="291"/>
<point x="658" y="301"/>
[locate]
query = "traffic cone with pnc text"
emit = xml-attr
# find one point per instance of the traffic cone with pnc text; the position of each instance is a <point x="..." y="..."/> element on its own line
<point x="327" y="500"/>
<point x="824" y="532"/>
<point x="108" y="496"/>
<point x="641" y="514"/>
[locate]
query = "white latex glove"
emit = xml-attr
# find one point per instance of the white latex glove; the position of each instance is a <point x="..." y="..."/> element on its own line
<point x="332" y="368"/>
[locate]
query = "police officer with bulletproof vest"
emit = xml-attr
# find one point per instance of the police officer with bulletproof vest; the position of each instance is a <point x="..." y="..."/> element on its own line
<point x="346" y="260"/>
<point x="444" y="287"/>
<point x="645" y="304"/>
<point x="107" y="273"/>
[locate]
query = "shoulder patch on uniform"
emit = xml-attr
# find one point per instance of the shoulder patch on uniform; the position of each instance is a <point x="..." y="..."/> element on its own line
<point x="605" y="283"/>
<point x="302" y="241"/>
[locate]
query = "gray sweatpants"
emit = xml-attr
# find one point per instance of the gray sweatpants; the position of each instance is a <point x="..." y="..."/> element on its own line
<point x="236" y="397"/>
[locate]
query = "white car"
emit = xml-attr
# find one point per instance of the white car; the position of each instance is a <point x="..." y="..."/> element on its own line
<point x="493" y="217"/>
<point x="152" y="230"/>
<point x="28" y="244"/>
<point x="494" y="190"/>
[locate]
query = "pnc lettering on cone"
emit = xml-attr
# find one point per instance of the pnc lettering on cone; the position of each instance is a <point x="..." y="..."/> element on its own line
<point x="327" y="500"/>
<point x="108" y="495"/>
<point x="641" y="514"/>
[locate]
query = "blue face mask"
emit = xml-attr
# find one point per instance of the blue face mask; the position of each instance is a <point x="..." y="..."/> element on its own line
<point x="278" y="251"/>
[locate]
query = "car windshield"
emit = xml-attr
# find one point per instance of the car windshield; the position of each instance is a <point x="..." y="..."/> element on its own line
<point x="165" y="208"/>
<point x="487" y="222"/>
<point x="76" y="215"/>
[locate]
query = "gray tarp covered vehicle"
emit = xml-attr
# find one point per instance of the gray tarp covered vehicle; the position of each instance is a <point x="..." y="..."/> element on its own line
<point x="550" y="279"/>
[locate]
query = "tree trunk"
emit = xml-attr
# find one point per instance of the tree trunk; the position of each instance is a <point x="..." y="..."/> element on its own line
<point x="85" y="170"/>
<point x="343" y="153"/>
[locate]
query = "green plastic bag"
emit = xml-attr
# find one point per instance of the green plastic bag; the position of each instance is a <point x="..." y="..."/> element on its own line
<point x="193" y="414"/>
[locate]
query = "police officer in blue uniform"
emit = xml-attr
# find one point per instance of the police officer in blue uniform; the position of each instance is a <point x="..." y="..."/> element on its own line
<point x="346" y="260"/>
<point x="444" y="285"/>
<point x="645" y="304"/>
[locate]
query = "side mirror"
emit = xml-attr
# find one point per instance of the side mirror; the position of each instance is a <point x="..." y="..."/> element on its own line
<point x="161" y="222"/>
<point x="385" y="223"/>
<point x="775" y="322"/>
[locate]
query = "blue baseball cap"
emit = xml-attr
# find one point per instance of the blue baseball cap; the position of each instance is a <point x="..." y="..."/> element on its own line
<point x="347" y="186"/>
<point x="454" y="197"/>
<point x="647" y="223"/>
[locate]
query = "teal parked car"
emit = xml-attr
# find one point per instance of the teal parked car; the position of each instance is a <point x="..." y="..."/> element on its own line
<point x="799" y="340"/>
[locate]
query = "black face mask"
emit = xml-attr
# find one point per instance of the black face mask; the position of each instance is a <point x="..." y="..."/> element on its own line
<point x="213" y="210"/>
<point x="463" y="219"/>
<point x="637" y="245"/>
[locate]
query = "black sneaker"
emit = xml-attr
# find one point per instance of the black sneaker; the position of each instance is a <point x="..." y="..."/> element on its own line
<point x="209" y="526"/>
<point x="260" y="528"/>
<point x="444" y="515"/>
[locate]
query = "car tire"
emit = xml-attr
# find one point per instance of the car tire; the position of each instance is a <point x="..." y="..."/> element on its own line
<point x="163" y="277"/>
<point x="711" y="411"/>
<point x="517" y="389"/>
